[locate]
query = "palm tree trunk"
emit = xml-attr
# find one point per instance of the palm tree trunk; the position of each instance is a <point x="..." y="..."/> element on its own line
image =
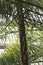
<point x="23" y="44"/>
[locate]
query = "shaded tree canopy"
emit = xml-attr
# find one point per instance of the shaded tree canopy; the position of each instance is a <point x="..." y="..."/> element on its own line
<point x="33" y="12"/>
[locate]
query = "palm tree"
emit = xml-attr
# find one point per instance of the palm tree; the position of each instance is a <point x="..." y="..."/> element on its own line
<point x="24" y="13"/>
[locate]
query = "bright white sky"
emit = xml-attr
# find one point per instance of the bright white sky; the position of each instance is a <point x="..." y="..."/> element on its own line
<point x="11" y="38"/>
<point x="1" y="51"/>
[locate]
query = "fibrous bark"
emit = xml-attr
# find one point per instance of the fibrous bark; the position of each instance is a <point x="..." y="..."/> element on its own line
<point x="23" y="44"/>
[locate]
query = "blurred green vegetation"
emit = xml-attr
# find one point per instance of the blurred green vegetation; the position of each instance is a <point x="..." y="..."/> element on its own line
<point x="12" y="54"/>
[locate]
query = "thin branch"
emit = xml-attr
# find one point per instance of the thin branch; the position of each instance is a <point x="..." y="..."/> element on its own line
<point x="36" y="61"/>
<point x="9" y="32"/>
<point x="32" y="4"/>
<point x="36" y="39"/>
